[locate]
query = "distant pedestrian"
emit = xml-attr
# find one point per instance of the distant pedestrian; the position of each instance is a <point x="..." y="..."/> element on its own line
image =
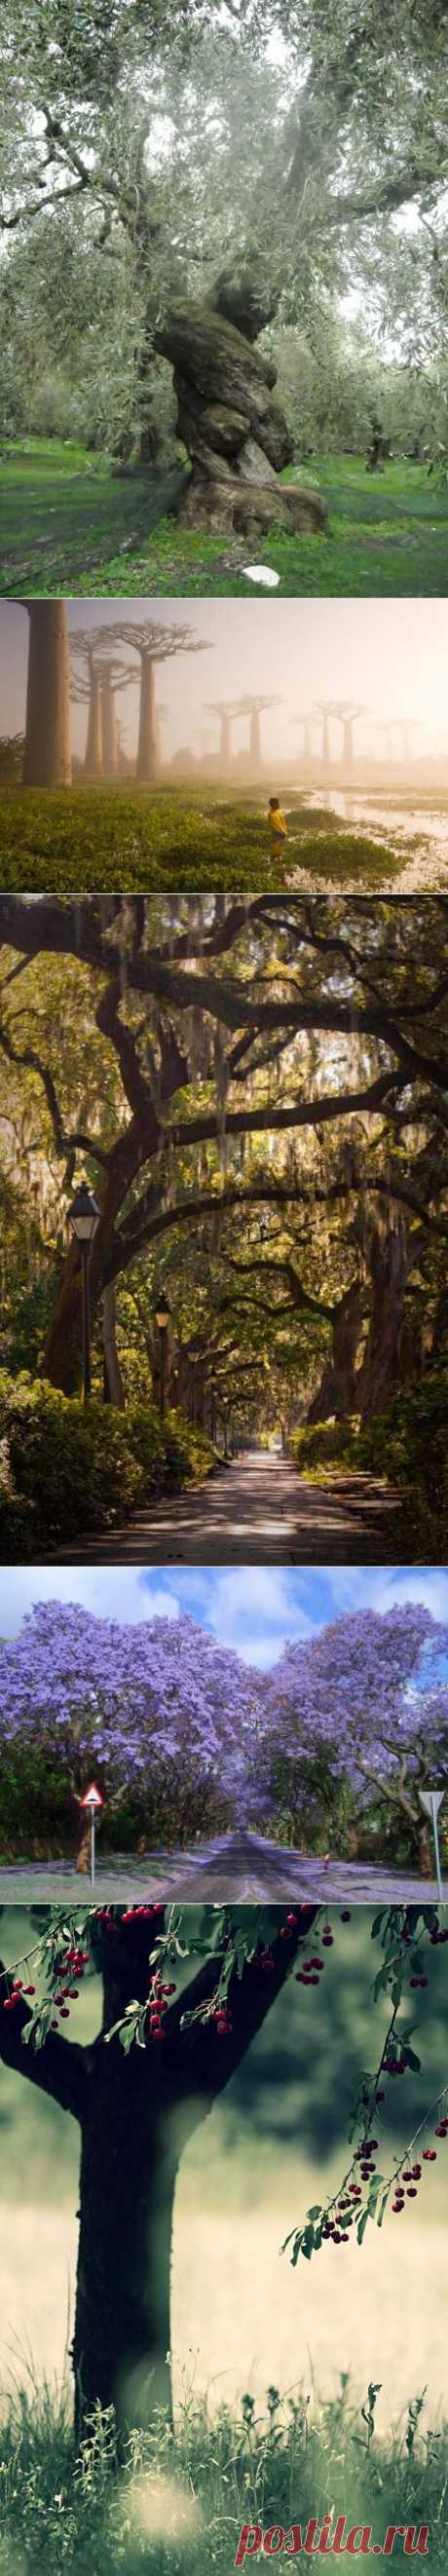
<point x="278" y="827"/>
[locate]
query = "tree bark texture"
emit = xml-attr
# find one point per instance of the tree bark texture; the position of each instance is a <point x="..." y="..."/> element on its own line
<point x="147" y="762"/>
<point x="234" y="430"/>
<point x="337" y="1392"/>
<point x="47" y="760"/>
<point x="93" y="760"/>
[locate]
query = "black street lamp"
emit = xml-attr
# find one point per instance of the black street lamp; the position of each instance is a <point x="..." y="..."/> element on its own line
<point x="162" y="1311"/>
<point x="83" y="1216"/>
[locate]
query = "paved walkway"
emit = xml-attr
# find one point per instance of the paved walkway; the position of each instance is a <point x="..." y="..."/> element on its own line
<point x="258" y="1511"/>
<point x="241" y="1868"/>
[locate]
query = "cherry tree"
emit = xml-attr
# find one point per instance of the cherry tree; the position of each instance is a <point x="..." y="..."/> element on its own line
<point x="184" y="1996"/>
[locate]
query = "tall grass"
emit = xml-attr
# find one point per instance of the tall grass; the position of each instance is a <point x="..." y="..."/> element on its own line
<point x="173" y="2504"/>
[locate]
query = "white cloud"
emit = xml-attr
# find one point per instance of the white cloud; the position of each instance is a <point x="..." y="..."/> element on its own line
<point x="379" y="1587"/>
<point x="113" y="1592"/>
<point x="253" y="1609"/>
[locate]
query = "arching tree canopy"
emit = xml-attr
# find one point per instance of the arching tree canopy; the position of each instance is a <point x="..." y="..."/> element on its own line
<point x="258" y="1090"/>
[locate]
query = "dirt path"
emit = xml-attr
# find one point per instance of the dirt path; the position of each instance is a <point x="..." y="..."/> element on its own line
<point x="258" y="1511"/>
<point x="237" y="1868"/>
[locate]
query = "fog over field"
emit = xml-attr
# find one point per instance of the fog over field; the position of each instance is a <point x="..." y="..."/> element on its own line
<point x="352" y="687"/>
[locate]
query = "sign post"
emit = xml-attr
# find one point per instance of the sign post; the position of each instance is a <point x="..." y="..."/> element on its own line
<point x="91" y="1803"/>
<point x="431" y="1800"/>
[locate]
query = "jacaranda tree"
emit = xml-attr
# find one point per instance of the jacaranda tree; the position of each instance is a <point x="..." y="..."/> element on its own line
<point x="165" y="1715"/>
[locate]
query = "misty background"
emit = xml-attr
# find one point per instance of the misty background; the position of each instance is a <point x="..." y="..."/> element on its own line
<point x="388" y="659"/>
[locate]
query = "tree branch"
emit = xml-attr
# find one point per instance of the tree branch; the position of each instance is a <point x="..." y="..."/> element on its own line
<point x="61" y="2068"/>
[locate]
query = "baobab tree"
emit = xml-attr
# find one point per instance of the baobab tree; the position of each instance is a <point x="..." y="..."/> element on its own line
<point x="47" y="759"/>
<point x="153" y="643"/>
<point x="324" y="707"/>
<point x="305" y="723"/>
<point x="97" y="677"/>
<point x="386" y="729"/>
<point x="407" y="727"/>
<point x="254" y="706"/>
<point x="347" y="715"/>
<point x="226" y="709"/>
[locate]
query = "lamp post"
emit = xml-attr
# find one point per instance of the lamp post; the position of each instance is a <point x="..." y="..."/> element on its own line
<point x="431" y="1800"/>
<point x="162" y="1311"/>
<point x="225" y="1416"/>
<point x="83" y="1216"/>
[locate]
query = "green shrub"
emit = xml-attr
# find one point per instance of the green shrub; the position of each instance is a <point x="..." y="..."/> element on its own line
<point x="66" y="1467"/>
<point x="325" y="1444"/>
<point x="408" y="1445"/>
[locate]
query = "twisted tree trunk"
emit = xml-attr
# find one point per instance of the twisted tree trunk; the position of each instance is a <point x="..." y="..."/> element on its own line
<point x="234" y="431"/>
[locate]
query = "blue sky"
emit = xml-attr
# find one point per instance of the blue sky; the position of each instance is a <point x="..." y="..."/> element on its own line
<point x="252" y="1608"/>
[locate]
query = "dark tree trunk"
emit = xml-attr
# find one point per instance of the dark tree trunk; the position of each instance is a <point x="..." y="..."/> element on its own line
<point x="113" y="1383"/>
<point x="128" y="2173"/>
<point x="47" y="759"/>
<point x="382" y="1368"/>
<point x="337" y="1391"/>
<point x="235" y="433"/>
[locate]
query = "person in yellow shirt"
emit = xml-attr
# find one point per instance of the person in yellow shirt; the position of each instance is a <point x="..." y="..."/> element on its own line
<point x="277" y="825"/>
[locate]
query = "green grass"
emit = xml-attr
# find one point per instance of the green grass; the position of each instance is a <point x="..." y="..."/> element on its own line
<point x="171" y="840"/>
<point x="71" y="524"/>
<point x="111" y="2518"/>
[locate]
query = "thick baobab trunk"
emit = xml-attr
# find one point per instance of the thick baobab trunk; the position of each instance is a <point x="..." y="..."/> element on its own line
<point x="109" y="729"/>
<point x="337" y="1392"/>
<point x="235" y="433"/>
<point x="255" y="742"/>
<point x="147" y="737"/>
<point x="47" y="761"/>
<point x="93" y="760"/>
<point x="381" y="1369"/>
<point x="128" y="2173"/>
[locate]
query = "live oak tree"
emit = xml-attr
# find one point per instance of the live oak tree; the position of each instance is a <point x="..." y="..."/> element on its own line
<point x="309" y="1040"/>
<point x="232" y="163"/>
<point x="165" y="2053"/>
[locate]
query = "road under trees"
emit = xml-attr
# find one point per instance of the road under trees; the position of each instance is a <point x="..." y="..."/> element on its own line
<point x="256" y="1511"/>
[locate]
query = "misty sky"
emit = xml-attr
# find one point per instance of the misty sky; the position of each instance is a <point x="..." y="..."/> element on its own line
<point x="389" y="655"/>
<point x="252" y="1608"/>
